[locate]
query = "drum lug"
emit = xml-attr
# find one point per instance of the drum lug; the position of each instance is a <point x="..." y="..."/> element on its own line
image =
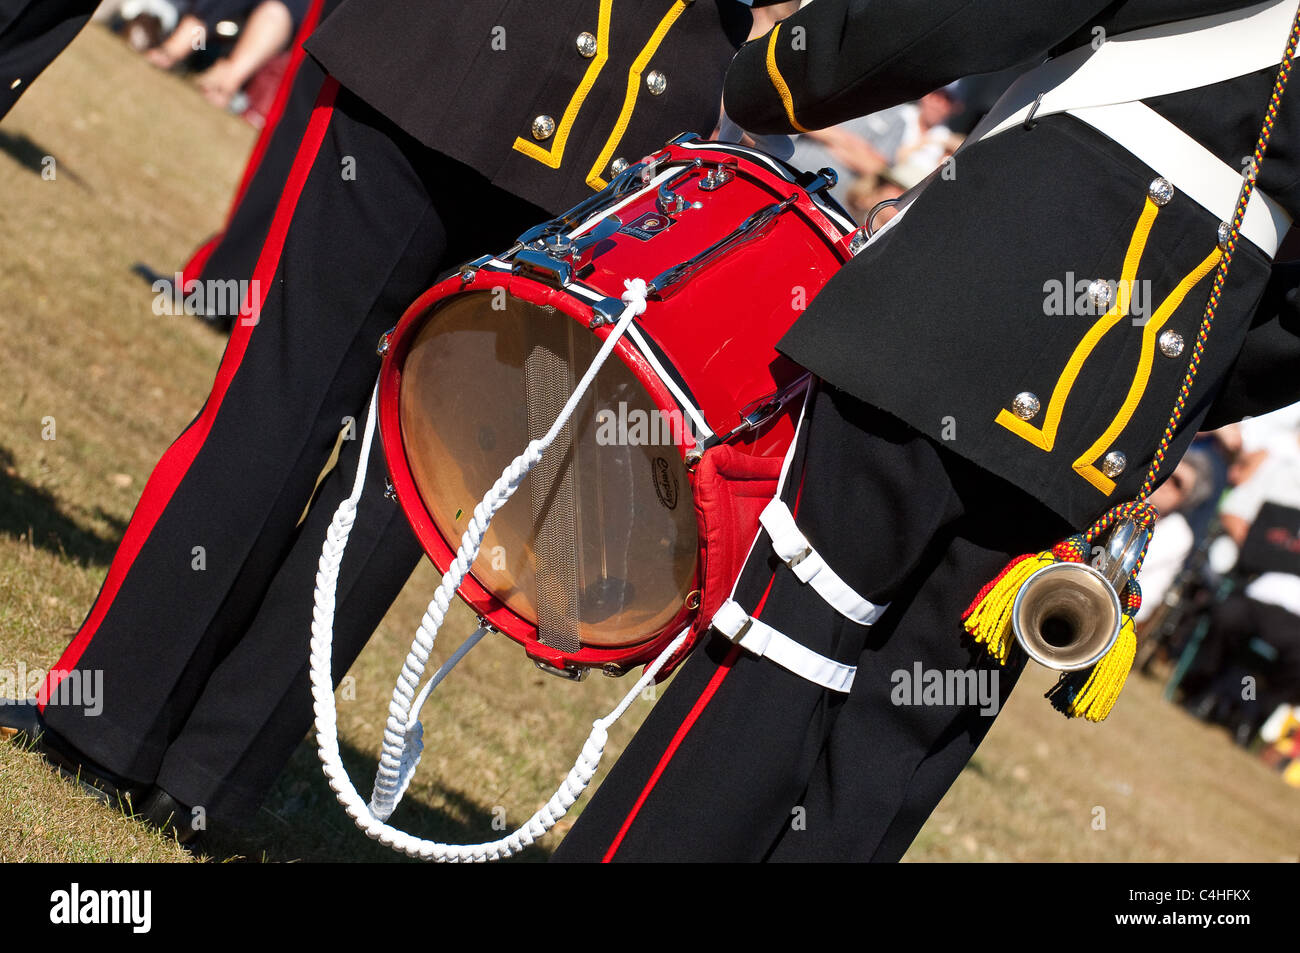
<point x="571" y="674"/>
<point x="611" y="670"/>
<point x="390" y="491"/>
<point x="385" y="341"/>
<point x="858" y="240"/>
<point x="669" y="202"/>
<point x="469" y="270"/>
<point x="718" y="176"/>
<point x="619" y="188"/>
<point x="823" y="180"/>
<point x="684" y="138"/>
<point x="605" y="311"/>
<point x="543" y="267"/>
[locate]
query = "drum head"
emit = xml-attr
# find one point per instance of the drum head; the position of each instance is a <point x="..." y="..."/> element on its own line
<point x="599" y="544"/>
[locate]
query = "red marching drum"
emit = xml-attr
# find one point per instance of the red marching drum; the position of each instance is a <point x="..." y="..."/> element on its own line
<point x="599" y="561"/>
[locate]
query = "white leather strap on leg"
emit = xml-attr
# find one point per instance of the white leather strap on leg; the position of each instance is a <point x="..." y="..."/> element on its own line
<point x="805" y="562"/>
<point x="762" y="640"/>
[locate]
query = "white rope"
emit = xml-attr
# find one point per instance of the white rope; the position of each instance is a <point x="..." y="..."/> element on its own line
<point x="403" y="732"/>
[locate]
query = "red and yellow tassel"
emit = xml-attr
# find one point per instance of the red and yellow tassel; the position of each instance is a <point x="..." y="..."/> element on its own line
<point x="1090" y="693"/>
<point x="988" y="618"/>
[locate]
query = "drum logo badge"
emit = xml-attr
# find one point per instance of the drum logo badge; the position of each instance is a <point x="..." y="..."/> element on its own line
<point x="647" y="226"/>
<point x="665" y="483"/>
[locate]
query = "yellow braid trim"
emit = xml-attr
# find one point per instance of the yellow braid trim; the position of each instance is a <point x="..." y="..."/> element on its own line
<point x="778" y="81"/>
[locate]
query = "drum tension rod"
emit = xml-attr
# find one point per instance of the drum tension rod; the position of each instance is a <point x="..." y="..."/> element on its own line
<point x="759" y="412"/>
<point x="749" y="229"/>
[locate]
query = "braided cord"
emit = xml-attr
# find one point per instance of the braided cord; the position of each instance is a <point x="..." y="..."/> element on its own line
<point x="1139" y="509"/>
<point x="403" y="733"/>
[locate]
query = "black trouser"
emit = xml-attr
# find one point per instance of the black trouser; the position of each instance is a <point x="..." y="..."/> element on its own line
<point x="236" y="251"/>
<point x="32" y="34"/>
<point x="740" y="759"/>
<point x="202" y="627"/>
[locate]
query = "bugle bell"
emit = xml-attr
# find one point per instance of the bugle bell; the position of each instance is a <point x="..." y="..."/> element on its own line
<point x="1067" y="615"/>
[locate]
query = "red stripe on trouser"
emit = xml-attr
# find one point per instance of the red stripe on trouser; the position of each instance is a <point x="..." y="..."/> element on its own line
<point x="276" y="112"/>
<point x="194" y="266"/>
<point x="175" y="463"/>
<point x="687" y="724"/>
<point x="706" y="696"/>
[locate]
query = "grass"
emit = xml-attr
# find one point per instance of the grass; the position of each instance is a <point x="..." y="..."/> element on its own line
<point x="143" y="172"/>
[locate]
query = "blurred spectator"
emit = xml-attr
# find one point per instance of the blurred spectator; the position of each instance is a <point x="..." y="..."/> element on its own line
<point x="1172" y="540"/>
<point x="910" y="138"/>
<point x="1268" y="608"/>
<point x="1217" y="456"/>
<point x="146" y="22"/>
<point x="868" y="192"/>
<point x="1273" y="432"/>
<point x="269" y="27"/>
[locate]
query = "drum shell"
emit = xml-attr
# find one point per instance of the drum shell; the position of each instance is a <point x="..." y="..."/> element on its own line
<point x="715" y="333"/>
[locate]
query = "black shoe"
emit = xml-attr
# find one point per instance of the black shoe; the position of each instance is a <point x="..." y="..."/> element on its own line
<point x="21" y="723"/>
<point x="159" y="809"/>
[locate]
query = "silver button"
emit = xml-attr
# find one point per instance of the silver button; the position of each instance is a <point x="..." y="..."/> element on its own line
<point x="1225" y="232"/>
<point x="1026" y="405"/>
<point x="1100" y="294"/>
<point x="1161" y="191"/>
<point x="16" y="83"/>
<point x="656" y="82"/>
<point x="543" y="127"/>
<point x="617" y="166"/>
<point x="1113" y="464"/>
<point x="587" y="45"/>
<point x="1171" y="343"/>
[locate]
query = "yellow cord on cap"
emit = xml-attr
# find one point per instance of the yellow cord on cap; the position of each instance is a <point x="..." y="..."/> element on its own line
<point x="778" y="81"/>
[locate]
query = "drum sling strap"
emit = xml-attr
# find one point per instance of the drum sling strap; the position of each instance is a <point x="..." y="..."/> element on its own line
<point x="1103" y="85"/>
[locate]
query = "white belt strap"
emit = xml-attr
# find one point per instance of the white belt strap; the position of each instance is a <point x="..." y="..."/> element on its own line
<point x="805" y="562"/>
<point x="1154" y="61"/>
<point x="762" y="640"/>
<point x="1191" y="167"/>
<point x="1102" y="86"/>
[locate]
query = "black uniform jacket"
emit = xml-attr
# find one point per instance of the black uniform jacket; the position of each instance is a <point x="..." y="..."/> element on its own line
<point x="975" y="296"/>
<point x="32" y="34"/>
<point x="470" y="78"/>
